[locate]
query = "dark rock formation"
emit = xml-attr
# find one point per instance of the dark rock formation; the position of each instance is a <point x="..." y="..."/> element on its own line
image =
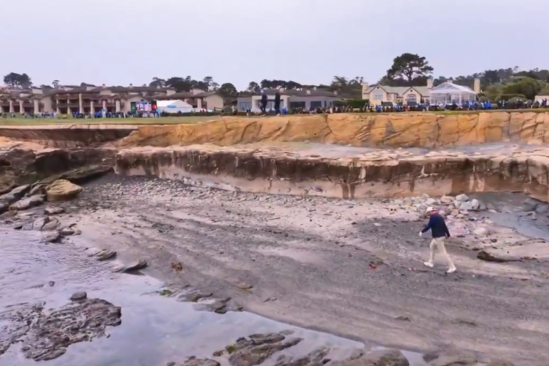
<point x="15" y="194"/>
<point x="257" y="348"/>
<point x="20" y="166"/>
<point x="28" y="202"/>
<point x="45" y="335"/>
<point x="193" y="361"/>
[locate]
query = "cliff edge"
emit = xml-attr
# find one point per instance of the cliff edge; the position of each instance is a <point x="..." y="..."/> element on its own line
<point x="381" y="130"/>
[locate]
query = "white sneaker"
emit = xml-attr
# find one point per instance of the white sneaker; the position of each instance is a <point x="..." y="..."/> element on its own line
<point x="451" y="270"/>
<point x="429" y="264"/>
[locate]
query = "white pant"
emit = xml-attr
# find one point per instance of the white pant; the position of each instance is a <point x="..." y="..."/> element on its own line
<point x="439" y="242"/>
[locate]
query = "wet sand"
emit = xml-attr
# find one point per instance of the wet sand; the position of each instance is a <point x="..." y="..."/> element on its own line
<point x="351" y="268"/>
<point x="155" y="329"/>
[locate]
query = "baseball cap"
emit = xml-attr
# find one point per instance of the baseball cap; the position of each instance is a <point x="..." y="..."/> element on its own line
<point x="429" y="209"/>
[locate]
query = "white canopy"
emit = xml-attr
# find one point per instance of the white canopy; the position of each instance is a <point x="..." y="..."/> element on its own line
<point x="451" y="93"/>
<point x="450" y="88"/>
<point x="174" y="106"/>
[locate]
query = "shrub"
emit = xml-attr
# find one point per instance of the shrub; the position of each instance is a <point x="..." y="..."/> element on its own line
<point x="506" y="97"/>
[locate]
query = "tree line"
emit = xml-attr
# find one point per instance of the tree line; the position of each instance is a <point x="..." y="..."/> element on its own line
<point x="496" y="84"/>
<point x="406" y="70"/>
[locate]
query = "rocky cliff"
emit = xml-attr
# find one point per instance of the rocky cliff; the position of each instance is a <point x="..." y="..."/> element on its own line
<point x="22" y="166"/>
<point x="389" y="130"/>
<point x="378" y="173"/>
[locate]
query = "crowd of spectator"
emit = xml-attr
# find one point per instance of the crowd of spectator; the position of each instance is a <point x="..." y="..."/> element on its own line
<point x="342" y="108"/>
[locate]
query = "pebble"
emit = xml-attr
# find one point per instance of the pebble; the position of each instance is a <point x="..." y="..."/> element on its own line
<point x="78" y="296"/>
<point x="51" y="236"/>
<point x="481" y="231"/>
<point x="66" y="231"/>
<point x="53" y="210"/>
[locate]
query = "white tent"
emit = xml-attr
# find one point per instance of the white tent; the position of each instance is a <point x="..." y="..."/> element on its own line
<point x="173" y="106"/>
<point x="448" y="92"/>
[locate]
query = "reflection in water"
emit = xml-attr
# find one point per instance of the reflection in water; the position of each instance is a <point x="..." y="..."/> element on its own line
<point x="154" y="329"/>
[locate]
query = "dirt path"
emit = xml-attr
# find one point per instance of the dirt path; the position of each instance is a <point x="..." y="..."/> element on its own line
<point x="349" y="268"/>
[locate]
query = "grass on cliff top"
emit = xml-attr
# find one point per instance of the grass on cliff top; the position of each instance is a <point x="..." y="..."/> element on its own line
<point x="104" y="121"/>
<point x="195" y="119"/>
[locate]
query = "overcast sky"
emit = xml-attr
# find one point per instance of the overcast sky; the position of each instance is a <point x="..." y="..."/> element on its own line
<point x="118" y="42"/>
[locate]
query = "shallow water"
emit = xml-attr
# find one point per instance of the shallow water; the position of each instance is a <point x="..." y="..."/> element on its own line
<point x="154" y="329"/>
<point x="511" y="214"/>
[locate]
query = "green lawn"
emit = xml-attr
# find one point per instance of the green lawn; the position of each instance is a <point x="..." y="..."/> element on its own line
<point x="104" y="121"/>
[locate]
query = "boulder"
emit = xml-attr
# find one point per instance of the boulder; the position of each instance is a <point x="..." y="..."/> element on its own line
<point x="15" y="194"/>
<point x="475" y="204"/>
<point x="26" y="203"/>
<point x="62" y="190"/>
<point x="50" y="225"/>
<point x="66" y="231"/>
<point x="421" y="209"/>
<point x="466" y="206"/>
<point x="462" y="198"/>
<point x="446" y="199"/>
<point x="431" y="202"/>
<point x="50" y="236"/>
<point x="78" y="296"/>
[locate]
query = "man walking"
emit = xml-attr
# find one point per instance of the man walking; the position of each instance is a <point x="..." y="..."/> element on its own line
<point x="440" y="232"/>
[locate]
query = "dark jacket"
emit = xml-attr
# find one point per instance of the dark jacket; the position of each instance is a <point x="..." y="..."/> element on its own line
<point x="437" y="226"/>
<point x="277" y="100"/>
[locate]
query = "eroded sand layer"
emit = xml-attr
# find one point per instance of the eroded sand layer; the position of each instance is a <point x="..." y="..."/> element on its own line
<point x="350" y="267"/>
<point x="347" y="172"/>
<point x="356" y="129"/>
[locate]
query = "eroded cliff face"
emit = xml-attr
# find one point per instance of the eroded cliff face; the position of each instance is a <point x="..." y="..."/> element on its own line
<point x="374" y="174"/>
<point x="389" y="130"/>
<point x="22" y="166"/>
<point x="67" y="135"/>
